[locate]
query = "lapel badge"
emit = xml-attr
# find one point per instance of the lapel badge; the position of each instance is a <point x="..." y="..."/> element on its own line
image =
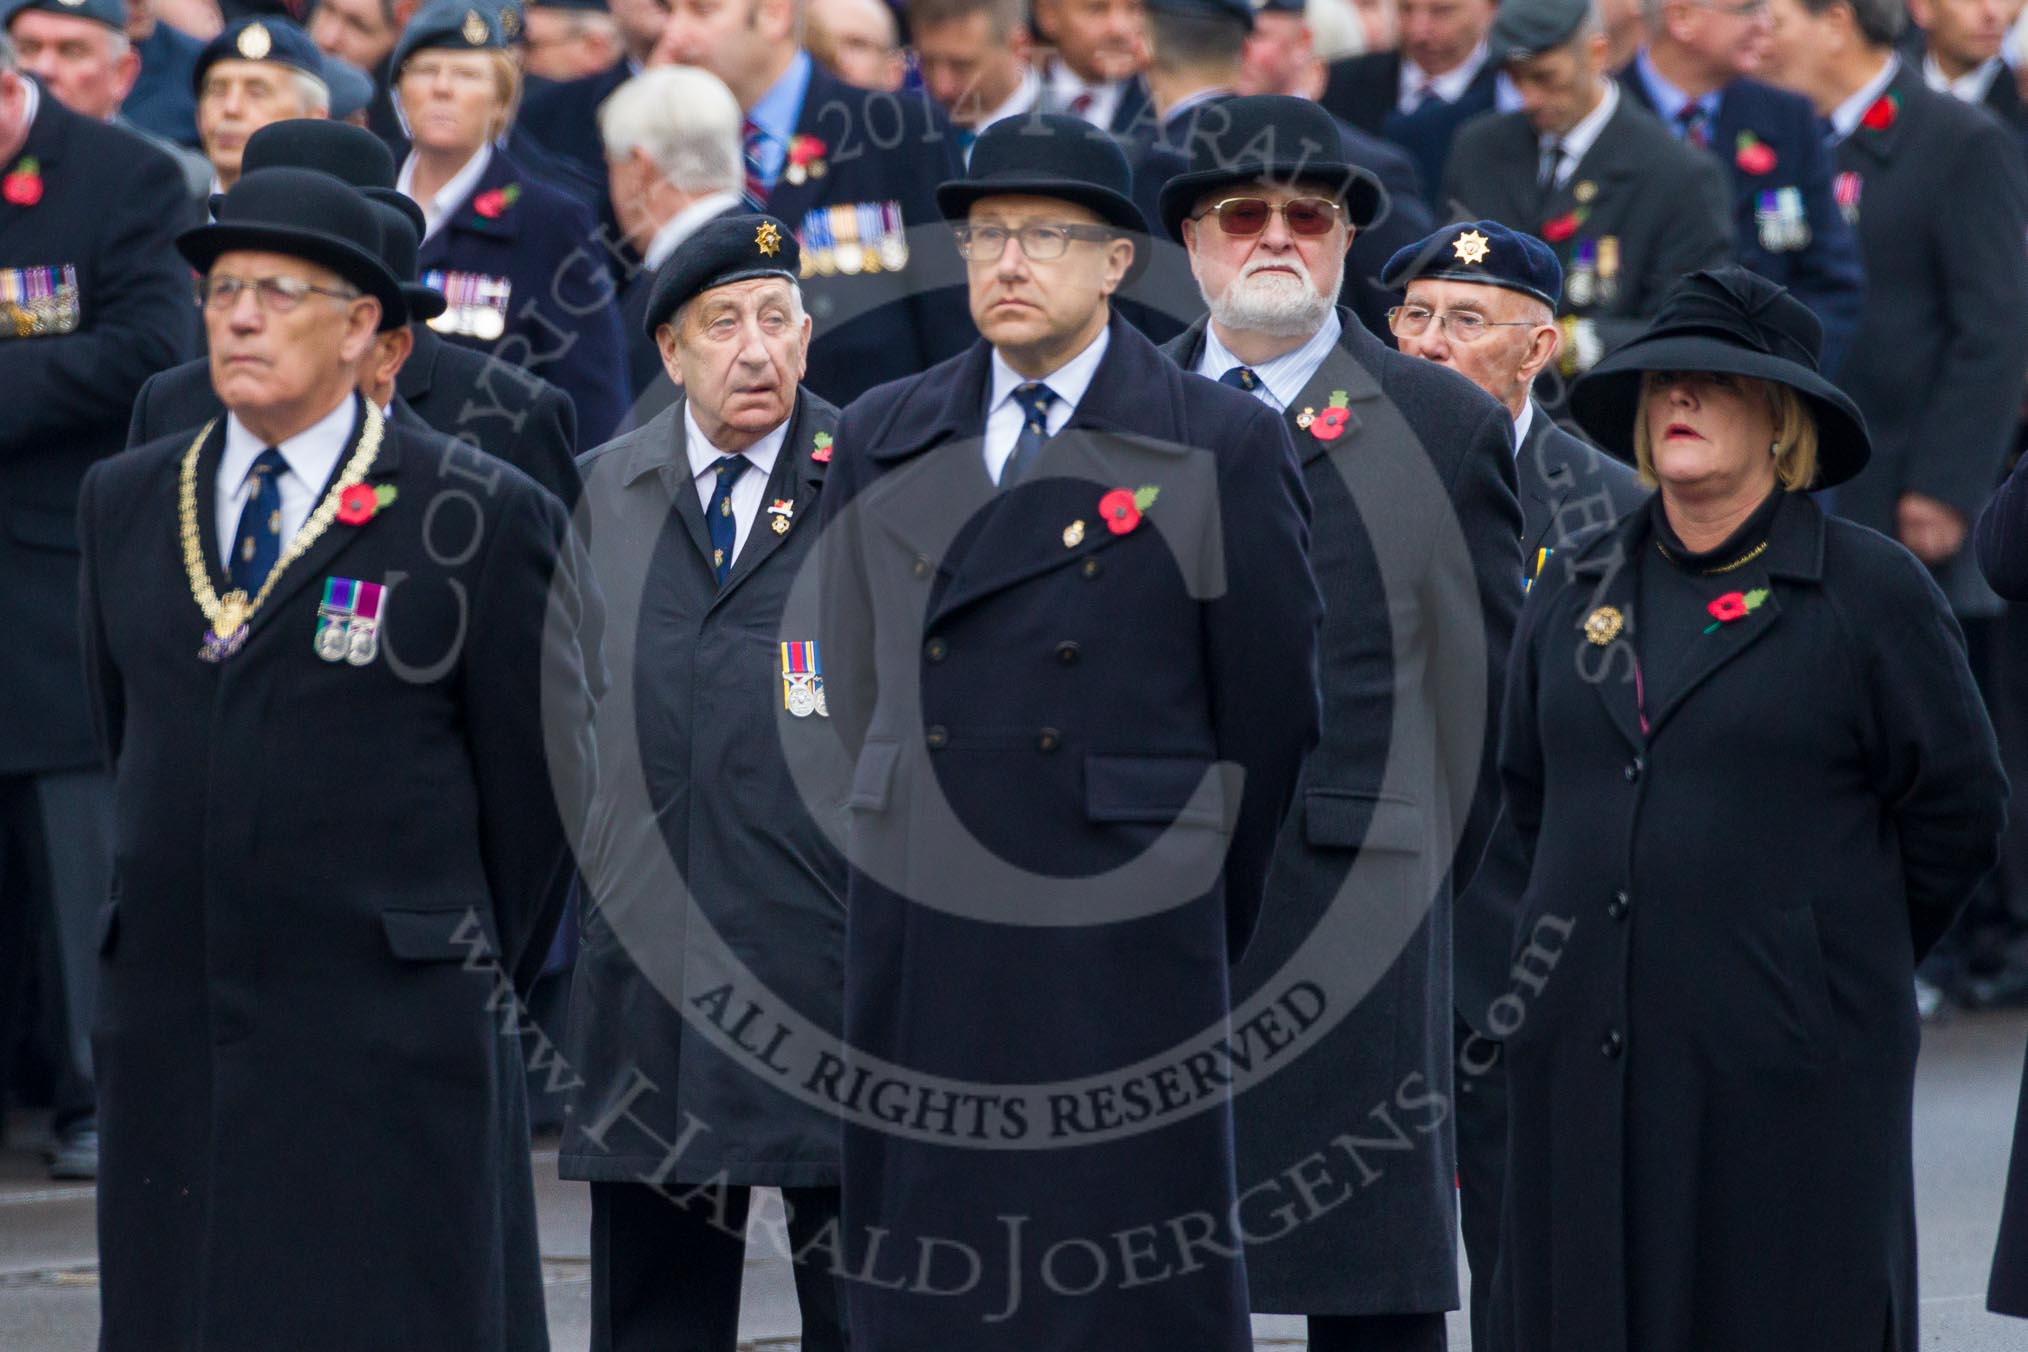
<point x="803" y="680"/>
<point x="1305" y="418"/>
<point x="1584" y="191"/>
<point x="348" y="621"/>
<point x="1603" y="625"/>
<point x="782" y="510"/>
<point x="1073" y="534"/>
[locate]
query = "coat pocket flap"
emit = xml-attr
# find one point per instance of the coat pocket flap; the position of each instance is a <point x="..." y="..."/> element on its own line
<point x="41" y="528"/>
<point x="1152" y="790"/>
<point x="1346" y="820"/>
<point x="438" y="936"/>
<point x="872" y="775"/>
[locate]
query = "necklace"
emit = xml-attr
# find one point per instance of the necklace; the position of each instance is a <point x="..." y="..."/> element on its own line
<point x="230" y="614"/>
<point x="1748" y="557"/>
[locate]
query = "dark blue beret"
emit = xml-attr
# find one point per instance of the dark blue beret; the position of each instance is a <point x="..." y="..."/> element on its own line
<point x="459" y="26"/>
<point x="111" y="13"/>
<point x="724" y="250"/>
<point x="267" y="38"/>
<point x="1485" y="252"/>
<point x="351" y="88"/>
<point x="1524" y="28"/>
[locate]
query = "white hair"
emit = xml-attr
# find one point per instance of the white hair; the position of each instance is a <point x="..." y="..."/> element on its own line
<point x="686" y="120"/>
<point x="311" y="92"/>
<point x="1335" y="30"/>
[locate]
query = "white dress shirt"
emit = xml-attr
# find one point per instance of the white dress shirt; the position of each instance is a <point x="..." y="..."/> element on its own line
<point x="1522" y="424"/>
<point x="1971" y="87"/>
<point x="1578" y="141"/>
<point x="1281" y="380"/>
<point x="439" y="208"/>
<point x="748" y="489"/>
<point x="1845" y="117"/>
<point x="1004" y="416"/>
<point x="1449" y="86"/>
<point x="312" y="456"/>
<point x="1065" y="85"/>
<point x="684" y="224"/>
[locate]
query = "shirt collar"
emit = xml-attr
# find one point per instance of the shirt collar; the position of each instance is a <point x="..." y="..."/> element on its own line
<point x="312" y="454"/>
<point x="1670" y="101"/>
<point x="683" y="225"/>
<point x="1971" y="87"/>
<point x="1578" y="141"/>
<point x="1196" y="99"/>
<point x="439" y="208"/>
<point x="1068" y="381"/>
<point x="1523" y="423"/>
<point x="703" y="455"/>
<point x="1020" y="101"/>
<point x="1286" y="375"/>
<point x="1845" y="117"/>
<point x="1449" y="86"/>
<point x="776" y="111"/>
<point x="30" y="103"/>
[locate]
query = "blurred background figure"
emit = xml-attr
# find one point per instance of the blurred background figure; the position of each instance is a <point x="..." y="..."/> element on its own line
<point x="858" y="41"/>
<point x="1281" y="53"/>
<point x="364" y="32"/>
<point x="562" y="114"/>
<point x="974" y="57"/>
<point x="256" y="71"/>
<point x="1419" y="95"/>
<point x="1092" y="55"/>
<point x="1962" y="56"/>
<point x="568" y="40"/>
<point x="163" y="99"/>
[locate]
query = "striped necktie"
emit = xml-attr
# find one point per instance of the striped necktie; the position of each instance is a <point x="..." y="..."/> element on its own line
<point x="752" y="140"/>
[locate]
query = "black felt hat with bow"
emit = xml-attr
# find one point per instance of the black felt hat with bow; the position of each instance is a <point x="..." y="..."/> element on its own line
<point x="1734" y="322"/>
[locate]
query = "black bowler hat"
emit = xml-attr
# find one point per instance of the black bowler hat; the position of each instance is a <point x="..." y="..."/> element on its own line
<point x="1240" y="11"/>
<point x="111" y="13"/>
<point x="724" y="250"/>
<point x="455" y="25"/>
<point x="1274" y="138"/>
<point x="1485" y="252"/>
<point x="1735" y="322"/>
<point x="349" y="154"/>
<point x="1050" y="155"/>
<point x="306" y="215"/>
<point x="400" y="246"/>
<point x="267" y="38"/>
<point x="1525" y="28"/>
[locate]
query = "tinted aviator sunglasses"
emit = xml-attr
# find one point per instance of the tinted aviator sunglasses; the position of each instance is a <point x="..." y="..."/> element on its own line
<point x="1249" y="215"/>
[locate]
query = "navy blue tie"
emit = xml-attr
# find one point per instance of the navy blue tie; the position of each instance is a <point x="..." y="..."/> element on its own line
<point x="1241" y="378"/>
<point x="1034" y="397"/>
<point x="258" y="541"/>
<point x="718" y="517"/>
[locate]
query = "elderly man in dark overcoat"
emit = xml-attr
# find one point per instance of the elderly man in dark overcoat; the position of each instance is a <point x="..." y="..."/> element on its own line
<point x="1411" y="468"/>
<point x="700" y="523"/>
<point x="1069" y="635"/>
<point x="335" y="670"/>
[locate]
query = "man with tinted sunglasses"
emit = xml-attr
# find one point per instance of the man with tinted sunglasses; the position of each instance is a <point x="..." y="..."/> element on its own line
<point x="1411" y="470"/>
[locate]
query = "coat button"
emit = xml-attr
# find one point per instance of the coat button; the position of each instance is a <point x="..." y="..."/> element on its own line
<point x="1067" y="652"/>
<point x="1617" y="907"/>
<point x="937" y="738"/>
<point x="1613" y="1045"/>
<point x="1092" y="568"/>
<point x="1634" y="768"/>
<point x="921" y="567"/>
<point x="936" y="650"/>
<point x="1048" y="739"/>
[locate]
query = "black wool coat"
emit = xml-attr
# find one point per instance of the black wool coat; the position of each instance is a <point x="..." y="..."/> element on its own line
<point x="1065" y="692"/>
<point x="111" y="208"/>
<point x="328" y="880"/>
<point x="1414" y="544"/>
<point x="697" y="806"/>
<point x="1711" y="1055"/>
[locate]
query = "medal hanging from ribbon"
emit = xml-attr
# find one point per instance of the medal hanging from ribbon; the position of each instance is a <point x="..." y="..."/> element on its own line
<point x="803" y="680"/>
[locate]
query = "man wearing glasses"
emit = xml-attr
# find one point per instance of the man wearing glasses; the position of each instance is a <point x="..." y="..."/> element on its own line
<point x="1785" y="219"/>
<point x="1067" y="599"/>
<point x="304" y="954"/>
<point x="1481" y="299"/>
<point x="1411" y="470"/>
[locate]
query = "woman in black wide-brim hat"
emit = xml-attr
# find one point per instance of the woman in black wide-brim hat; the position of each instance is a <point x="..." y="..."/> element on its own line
<point x="1755" y="780"/>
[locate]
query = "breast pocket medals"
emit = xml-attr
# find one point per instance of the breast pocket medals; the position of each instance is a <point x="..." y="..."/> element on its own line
<point x="38" y="302"/>
<point x="475" y="304"/>
<point x="803" y="680"/>
<point x="230" y="614"/>
<point x="348" y="621"/>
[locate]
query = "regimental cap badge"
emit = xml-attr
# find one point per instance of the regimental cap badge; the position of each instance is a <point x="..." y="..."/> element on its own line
<point x="475" y="31"/>
<point x="71" y="4"/>
<point x="1471" y="247"/>
<point x="254" y="42"/>
<point x="768" y="239"/>
<point x="1603" y="625"/>
<point x="510" y="22"/>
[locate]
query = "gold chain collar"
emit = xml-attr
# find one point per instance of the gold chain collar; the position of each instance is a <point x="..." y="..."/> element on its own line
<point x="230" y="614"/>
<point x="1744" y="559"/>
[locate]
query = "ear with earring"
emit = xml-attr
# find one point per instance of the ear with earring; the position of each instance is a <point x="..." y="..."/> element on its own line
<point x="1775" y="449"/>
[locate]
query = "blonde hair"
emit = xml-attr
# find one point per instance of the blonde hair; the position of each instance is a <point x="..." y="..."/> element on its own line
<point x="1795" y="438"/>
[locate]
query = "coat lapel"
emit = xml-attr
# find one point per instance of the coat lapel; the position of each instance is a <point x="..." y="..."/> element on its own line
<point x="674" y="469"/>
<point x="793" y="481"/>
<point x="45" y="143"/>
<point x="1603" y="583"/>
<point x="1339" y="373"/>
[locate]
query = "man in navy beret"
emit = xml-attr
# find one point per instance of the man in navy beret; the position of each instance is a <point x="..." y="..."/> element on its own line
<point x="256" y="71"/>
<point x="715" y="501"/>
<point x="1481" y="299"/>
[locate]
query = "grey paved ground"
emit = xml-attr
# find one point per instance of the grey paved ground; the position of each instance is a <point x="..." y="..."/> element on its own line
<point x="1971" y="1069"/>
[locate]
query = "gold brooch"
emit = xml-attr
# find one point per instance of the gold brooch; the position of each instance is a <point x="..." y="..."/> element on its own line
<point x="1073" y="535"/>
<point x="254" y="43"/>
<point x="768" y="239"/>
<point x="1603" y="625"/>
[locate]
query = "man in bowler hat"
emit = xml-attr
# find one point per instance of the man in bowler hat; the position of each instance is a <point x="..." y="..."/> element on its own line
<point x="1412" y="473"/>
<point x="1067" y="596"/>
<point x="304" y="1103"/>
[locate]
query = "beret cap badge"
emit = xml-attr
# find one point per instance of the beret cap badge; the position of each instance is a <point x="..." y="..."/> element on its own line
<point x="254" y="43"/>
<point x="1471" y="247"/>
<point x="474" y="31"/>
<point x="767" y="239"/>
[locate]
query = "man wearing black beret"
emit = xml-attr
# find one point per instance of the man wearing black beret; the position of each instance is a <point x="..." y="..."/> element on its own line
<point x="1412" y="473"/>
<point x="700" y="522"/>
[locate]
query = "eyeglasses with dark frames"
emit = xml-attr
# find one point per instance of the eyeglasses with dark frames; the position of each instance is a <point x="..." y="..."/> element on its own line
<point x="1041" y="241"/>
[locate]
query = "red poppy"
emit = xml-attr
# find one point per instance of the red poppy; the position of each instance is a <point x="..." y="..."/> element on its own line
<point x="23" y="187"/>
<point x="1729" y="607"/>
<point x="1330" y="424"/>
<point x="490" y="204"/>
<point x="1560" y="229"/>
<point x="805" y="150"/>
<point x="1756" y="157"/>
<point x="357" y="504"/>
<point x="1119" y="511"/>
<point x="822" y="455"/>
<point x="1881" y="115"/>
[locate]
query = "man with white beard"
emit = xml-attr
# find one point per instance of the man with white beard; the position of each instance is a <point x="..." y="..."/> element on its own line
<point x="1415" y="545"/>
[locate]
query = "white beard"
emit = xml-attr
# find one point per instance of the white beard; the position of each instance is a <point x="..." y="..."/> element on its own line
<point x="1274" y="304"/>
